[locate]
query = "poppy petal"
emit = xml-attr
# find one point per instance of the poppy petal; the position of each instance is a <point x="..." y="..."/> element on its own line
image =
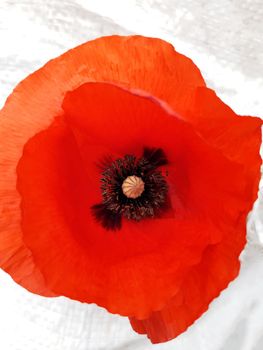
<point x="201" y="285"/>
<point x="92" y="263"/>
<point x="238" y="138"/>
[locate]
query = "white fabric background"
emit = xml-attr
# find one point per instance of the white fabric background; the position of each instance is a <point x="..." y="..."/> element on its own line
<point x="225" y="39"/>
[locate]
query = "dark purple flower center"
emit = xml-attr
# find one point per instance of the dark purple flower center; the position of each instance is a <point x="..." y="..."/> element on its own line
<point x="132" y="188"/>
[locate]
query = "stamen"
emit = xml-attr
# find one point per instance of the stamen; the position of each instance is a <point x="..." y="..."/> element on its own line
<point x="132" y="188"/>
<point x="108" y="219"/>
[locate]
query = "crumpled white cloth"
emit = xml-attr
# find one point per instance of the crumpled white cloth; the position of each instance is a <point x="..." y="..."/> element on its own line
<point x="225" y="39"/>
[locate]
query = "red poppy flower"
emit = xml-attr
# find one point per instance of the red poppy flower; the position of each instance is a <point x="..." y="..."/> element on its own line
<point x="126" y="182"/>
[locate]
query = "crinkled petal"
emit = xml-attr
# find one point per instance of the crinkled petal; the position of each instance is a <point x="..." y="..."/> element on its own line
<point x="239" y="139"/>
<point x="136" y="270"/>
<point x="203" y="282"/>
